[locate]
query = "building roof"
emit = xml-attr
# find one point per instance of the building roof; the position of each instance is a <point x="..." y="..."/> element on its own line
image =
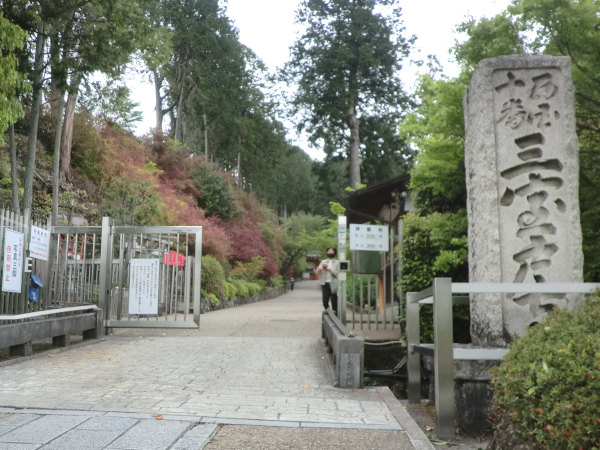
<point x="384" y="201"/>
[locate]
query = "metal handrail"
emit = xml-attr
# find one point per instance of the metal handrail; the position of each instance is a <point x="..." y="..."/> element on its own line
<point x="47" y="312"/>
<point x="440" y="294"/>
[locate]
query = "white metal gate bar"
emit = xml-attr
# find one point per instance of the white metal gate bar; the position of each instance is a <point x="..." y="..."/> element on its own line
<point x="90" y="265"/>
<point x="179" y="286"/>
<point x="76" y="261"/>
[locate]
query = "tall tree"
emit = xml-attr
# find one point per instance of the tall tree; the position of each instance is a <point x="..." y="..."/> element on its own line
<point x="346" y="67"/>
<point x="12" y="82"/>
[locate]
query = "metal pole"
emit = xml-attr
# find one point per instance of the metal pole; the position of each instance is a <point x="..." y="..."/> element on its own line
<point x="342" y="275"/>
<point x="197" y="276"/>
<point x="105" y="266"/>
<point x="443" y="358"/>
<point x="413" y="363"/>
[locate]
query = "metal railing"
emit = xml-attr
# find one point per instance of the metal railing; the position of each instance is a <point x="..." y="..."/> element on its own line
<point x="13" y="302"/>
<point x="440" y="294"/>
<point x="370" y="307"/>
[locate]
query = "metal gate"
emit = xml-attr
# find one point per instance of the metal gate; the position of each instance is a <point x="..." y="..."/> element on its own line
<point x="142" y="277"/>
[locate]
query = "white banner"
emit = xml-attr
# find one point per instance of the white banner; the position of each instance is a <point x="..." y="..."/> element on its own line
<point x="14" y="246"/>
<point x="39" y="244"/>
<point x="374" y="238"/>
<point x="143" y="286"/>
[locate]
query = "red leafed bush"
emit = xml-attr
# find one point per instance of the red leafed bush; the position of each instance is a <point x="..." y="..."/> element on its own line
<point x="247" y="242"/>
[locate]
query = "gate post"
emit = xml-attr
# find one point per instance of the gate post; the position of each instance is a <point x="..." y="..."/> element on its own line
<point x="105" y="267"/>
<point x="197" y="276"/>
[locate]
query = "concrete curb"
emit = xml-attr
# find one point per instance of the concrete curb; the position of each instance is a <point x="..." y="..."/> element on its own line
<point x="416" y="436"/>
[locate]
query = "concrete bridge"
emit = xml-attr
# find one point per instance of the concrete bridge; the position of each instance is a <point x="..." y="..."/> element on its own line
<point x="255" y="376"/>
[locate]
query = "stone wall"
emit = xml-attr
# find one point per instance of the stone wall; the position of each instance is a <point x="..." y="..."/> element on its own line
<point x="207" y="306"/>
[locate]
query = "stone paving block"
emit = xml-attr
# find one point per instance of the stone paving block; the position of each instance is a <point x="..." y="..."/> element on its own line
<point x="79" y="439"/>
<point x="195" y="438"/>
<point x="18" y="446"/>
<point x="108" y="423"/>
<point x="42" y="430"/>
<point x="17" y="420"/>
<point x="150" y="434"/>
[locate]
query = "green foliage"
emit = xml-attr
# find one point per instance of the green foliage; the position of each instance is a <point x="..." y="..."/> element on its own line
<point x="216" y="197"/>
<point x="110" y="103"/>
<point x="346" y="68"/>
<point x="301" y="234"/>
<point x="88" y="149"/>
<point x="132" y="202"/>
<point x="248" y="271"/>
<point x="213" y="299"/>
<point x="361" y="290"/>
<point x="241" y="287"/>
<point x="253" y="288"/>
<point x="487" y="38"/>
<point x="436" y="129"/>
<point x="12" y="81"/>
<point x="230" y="290"/>
<point x="547" y="389"/>
<point x="277" y="281"/>
<point x="213" y="277"/>
<point x="435" y="246"/>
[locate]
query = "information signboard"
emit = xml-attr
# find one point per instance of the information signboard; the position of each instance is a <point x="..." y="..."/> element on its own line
<point x="39" y="243"/>
<point x="369" y="237"/>
<point x="143" y="286"/>
<point x="12" y="269"/>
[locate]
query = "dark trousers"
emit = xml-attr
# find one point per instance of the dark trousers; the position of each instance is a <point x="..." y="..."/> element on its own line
<point x="327" y="294"/>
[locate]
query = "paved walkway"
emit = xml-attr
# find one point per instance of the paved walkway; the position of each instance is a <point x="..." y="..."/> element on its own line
<point x="255" y="376"/>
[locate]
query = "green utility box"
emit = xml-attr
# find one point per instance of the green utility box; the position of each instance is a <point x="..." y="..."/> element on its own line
<point x="365" y="262"/>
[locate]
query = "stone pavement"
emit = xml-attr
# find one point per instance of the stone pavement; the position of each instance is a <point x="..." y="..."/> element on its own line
<point x="254" y="376"/>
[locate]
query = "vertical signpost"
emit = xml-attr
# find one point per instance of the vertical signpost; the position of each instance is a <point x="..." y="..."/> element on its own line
<point x="342" y="235"/>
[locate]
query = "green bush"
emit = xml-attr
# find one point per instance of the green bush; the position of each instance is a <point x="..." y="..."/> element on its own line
<point x="242" y="289"/>
<point x="230" y="290"/>
<point x="547" y="389"/>
<point x="213" y="277"/>
<point x="435" y="246"/>
<point x="250" y="270"/>
<point x="253" y="288"/>
<point x="277" y="281"/>
<point x="213" y="299"/>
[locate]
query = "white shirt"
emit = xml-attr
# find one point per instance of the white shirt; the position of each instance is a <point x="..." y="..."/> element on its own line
<point x="327" y="276"/>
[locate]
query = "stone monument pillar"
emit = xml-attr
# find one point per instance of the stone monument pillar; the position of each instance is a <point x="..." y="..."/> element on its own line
<point x="521" y="161"/>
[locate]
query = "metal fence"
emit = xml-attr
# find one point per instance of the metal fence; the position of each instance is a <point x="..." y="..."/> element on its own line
<point x="442" y="295"/>
<point x="18" y="302"/>
<point x="91" y="265"/>
<point x="369" y="304"/>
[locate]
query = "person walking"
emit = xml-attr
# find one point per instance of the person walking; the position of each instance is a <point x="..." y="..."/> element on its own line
<point x="328" y="271"/>
<point x="292" y="283"/>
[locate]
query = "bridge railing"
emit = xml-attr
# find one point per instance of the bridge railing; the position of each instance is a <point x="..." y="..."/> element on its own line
<point x="442" y="296"/>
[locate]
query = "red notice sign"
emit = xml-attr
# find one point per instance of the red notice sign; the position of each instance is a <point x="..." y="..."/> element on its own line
<point x="173" y="259"/>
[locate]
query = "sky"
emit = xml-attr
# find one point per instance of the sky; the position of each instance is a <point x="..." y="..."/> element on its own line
<point x="267" y="27"/>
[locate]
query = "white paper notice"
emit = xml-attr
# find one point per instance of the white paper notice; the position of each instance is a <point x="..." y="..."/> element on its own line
<point x="39" y="243"/>
<point x="12" y="270"/>
<point x="369" y="237"/>
<point x="143" y="286"/>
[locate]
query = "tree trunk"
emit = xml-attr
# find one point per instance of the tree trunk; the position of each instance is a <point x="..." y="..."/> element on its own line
<point x="179" y="118"/>
<point x="57" y="149"/>
<point x="158" y="100"/>
<point x="205" y="137"/>
<point x="36" y="101"/>
<point x="14" y="178"/>
<point x="67" y="132"/>
<point x="239" y="170"/>
<point x="56" y="80"/>
<point x="354" y="149"/>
